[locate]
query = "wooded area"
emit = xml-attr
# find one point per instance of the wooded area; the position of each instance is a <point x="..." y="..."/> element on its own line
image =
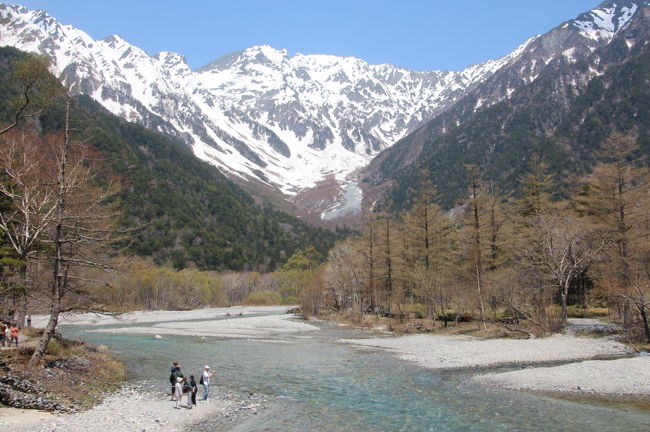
<point x="502" y="258"/>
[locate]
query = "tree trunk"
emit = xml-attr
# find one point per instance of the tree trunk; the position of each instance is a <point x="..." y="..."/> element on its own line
<point x="48" y="333"/>
<point x="644" y="316"/>
<point x="563" y="298"/>
<point x="21" y="311"/>
<point x="59" y="279"/>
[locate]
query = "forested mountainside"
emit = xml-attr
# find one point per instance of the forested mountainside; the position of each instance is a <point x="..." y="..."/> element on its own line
<point x="563" y="115"/>
<point x="189" y="213"/>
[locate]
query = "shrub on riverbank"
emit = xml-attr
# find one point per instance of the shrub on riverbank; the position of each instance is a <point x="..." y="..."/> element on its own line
<point x="263" y="298"/>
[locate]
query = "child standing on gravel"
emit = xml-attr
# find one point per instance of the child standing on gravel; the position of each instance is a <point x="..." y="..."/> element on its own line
<point x="193" y="389"/>
<point x="178" y="391"/>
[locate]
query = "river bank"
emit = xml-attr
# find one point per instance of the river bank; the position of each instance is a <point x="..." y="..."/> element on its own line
<point x="135" y="408"/>
<point x="459" y="352"/>
<point x="628" y="377"/>
<point x="610" y="376"/>
<point x="72" y="375"/>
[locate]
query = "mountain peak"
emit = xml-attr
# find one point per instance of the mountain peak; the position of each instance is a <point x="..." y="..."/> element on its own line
<point x="261" y="52"/>
<point x="605" y="21"/>
<point x="114" y="40"/>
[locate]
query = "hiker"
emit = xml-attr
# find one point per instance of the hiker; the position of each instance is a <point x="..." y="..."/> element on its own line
<point x="14" y="335"/>
<point x="2" y="333"/>
<point x="205" y="381"/>
<point x="29" y="321"/>
<point x="175" y="373"/>
<point x="178" y="391"/>
<point x="7" y="334"/>
<point x="193" y="389"/>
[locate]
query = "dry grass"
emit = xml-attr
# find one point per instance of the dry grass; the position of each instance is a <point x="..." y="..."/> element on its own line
<point x="72" y="372"/>
<point x="523" y="330"/>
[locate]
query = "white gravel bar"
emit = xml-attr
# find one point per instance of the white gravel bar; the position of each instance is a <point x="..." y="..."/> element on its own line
<point x="240" y="327"/>
<point x="141" y="317"/>
<point x="133" y="410"/>
<point x="621" y="377"/>
<point x="455" y="352"/>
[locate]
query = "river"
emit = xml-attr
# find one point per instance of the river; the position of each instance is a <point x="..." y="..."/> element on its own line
<point x="315" y="383"/>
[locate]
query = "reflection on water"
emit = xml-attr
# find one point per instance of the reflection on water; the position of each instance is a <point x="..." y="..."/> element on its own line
<point x="317" y="384"/>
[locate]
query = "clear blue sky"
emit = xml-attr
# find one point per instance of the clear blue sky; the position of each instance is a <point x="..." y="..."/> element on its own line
<point x="421" y="35"/>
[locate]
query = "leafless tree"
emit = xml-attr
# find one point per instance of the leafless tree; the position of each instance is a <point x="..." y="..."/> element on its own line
<point x="24" y="163"/>
<point x="565" y="248"/>
<point x="80" y="233"/>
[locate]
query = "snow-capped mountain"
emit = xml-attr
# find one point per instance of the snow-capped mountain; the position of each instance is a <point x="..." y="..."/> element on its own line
<point x="554" y="109"/>
<point x="288" y="121"/>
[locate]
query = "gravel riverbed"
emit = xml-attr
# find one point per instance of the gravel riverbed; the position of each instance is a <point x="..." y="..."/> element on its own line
<point x="455" y="352"/>
<point x="620" y="377"/>
<point x="135" y="408"/>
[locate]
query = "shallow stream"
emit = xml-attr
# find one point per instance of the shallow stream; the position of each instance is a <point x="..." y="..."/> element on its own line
<point x="316" y="384"/>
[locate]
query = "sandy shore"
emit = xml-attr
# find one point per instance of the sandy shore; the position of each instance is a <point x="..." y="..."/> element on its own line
<point x="18" y="420"/>
<point x="141" y="317"/>
<point x="621" y="377"/>
<point x="132" y="410"/>
<point x="454" y="352"/>
<point x="240" y="327"/>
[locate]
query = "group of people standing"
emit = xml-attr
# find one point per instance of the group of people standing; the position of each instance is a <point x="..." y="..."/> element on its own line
<point x="8" y="334"/>
<point x="182" y="385"/>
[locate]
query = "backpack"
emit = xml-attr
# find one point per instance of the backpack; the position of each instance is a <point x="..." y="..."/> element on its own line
<point x="201" y="380"/>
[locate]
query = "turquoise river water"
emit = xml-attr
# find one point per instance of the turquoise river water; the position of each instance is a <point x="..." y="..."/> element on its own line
<point x="314" y="383"/>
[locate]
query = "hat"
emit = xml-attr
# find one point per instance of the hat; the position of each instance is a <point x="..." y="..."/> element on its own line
<point x="206" y="367"/>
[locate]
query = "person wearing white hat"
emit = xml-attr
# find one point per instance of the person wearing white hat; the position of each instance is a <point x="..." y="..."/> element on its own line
<point x="205" y="380"/>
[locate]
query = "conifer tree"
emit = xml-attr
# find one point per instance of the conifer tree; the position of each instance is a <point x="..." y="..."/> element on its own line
<point x="614" y="195"/>
<point x="474" y="232"/>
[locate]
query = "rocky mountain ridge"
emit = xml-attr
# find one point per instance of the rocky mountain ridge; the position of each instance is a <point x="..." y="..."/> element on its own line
<point x="592" y="87"/>
<point x="294" y="122"/>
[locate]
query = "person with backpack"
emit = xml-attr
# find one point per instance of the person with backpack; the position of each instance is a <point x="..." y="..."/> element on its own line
<point x="173" y="377"/>
<point x="205" y="381"/>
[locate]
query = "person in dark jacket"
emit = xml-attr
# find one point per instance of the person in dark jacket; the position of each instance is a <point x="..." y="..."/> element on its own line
<point x="194" y="388"/>
<point x="173" y="377"/>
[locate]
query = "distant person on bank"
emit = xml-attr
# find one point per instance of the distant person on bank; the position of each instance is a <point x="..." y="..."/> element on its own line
<point x="14" y="335"/>
<point x="205" y="381"/>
